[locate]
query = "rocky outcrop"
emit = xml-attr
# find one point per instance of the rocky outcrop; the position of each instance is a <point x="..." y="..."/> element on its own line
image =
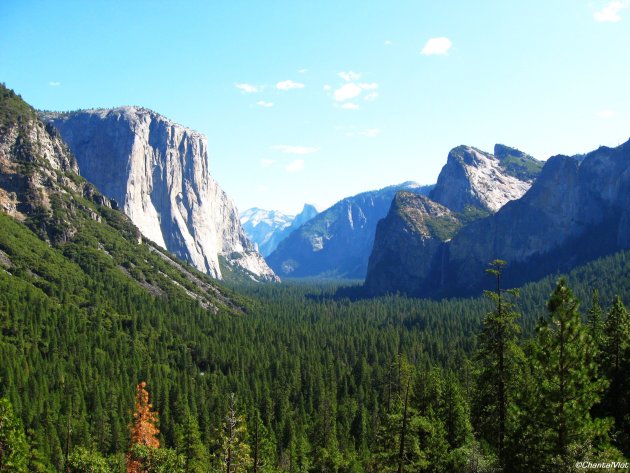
<point x="267" y="228"/>
<point x="575" y="211"/>
<point x="38" y="174"/>
<point x="337" y="242"/>
<point x="408" y="245"/>
<point x="158" y="172"/>
<point x="473" y="178"/>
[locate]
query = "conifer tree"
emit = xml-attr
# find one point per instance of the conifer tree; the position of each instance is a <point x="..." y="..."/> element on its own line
<point x="567" y="383"/>
<point x="235" y="452"/>
<point x="616" y="362"/>
<point x="595" y="320"/>
<point x="13" y="446"/>
<point x="193" y="449"/>
<point x="498" y="358"/>
<point x="144" y="429"/>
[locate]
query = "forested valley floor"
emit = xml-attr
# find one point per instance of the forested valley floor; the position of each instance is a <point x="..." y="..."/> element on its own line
<point x="98" y="374"/>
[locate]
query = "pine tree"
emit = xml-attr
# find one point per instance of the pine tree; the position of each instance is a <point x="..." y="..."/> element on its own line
<point x="193" y="450"/>
<point x="499" y="359"/>
<point x="144" y="429"/>
<point x="616" y="362"/>
<point x="235" y="452"/>
<point x="595" y="320"/>
<point x="568" y="385"/>
<point x="13" y="446"/>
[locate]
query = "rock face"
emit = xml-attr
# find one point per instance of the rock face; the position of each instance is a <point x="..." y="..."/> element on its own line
<point x="158" y="172"/>
<point x="409" y="244"/>
<point x="337" y="242"/>
<point x="473" y="178"/>
<point x="267" y="228"/>
<point x="38" y="172"/>
<point x="576" y="211"/>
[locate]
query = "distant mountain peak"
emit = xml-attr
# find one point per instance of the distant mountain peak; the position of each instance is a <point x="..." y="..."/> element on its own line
<point x="267" y="228"/>
<point x="337" y="242"/>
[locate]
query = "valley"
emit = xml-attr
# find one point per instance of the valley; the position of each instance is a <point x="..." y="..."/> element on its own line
<point x="110" y="302"/>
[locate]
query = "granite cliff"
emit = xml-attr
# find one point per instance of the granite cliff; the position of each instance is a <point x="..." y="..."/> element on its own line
<point x="473" y="178"/>
<point x="575" y="211"/>
<point x="408" y="244"/>
<point x="158" y="173"/>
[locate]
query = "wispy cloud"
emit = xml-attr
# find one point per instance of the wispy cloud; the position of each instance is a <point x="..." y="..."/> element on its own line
<point x="54" y="84"/>
<point x="350" y="106"/>
<point x="610" y="12"/>
<point x="248" y="88"/>
<point x="288" y="85"/>
<point x="388" y="42"/>
<point x="302" y="71"/>
<point x="291" y="149"/>
<point x="327" y="87"/>
<point x="349" y="76"/>
<point x="295" y="166"/>
<point x="265" y="163"/>
<point x="370" y="133"/>
<point x="608" y="113"/>
<point x="371" y="97"/>
<point x="436" y="46"/>
<point x="262" y="103"/>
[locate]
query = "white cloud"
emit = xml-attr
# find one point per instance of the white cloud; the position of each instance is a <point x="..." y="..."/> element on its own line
<point x="436" y="46"/>
<point x="265" y="163"/>
<point x="262" y="103"/>
<point x="347" y="91"/>
<point x="366" y="86"/>
<point x="610" y="13"/>
<point x="295" y="166"/>
<point x="388" y="42"/>
<point x="289" y="84"/>
<point x="352" y="90"/>
<point x="290" y="149"/>
<point x="606" y="113"/>
<point x="247" y="88"/>
<point x="302" y="71"/>
<point x="54" y="84"/>
<point x="349" y="76"/>
<point x="350" y="106"/>
<point x="370" y="132"/>
<point x="327" y="87"/>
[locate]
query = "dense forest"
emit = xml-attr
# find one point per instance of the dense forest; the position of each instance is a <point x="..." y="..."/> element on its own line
<point x="115" y="357"/>
<point x="100" y="374"/>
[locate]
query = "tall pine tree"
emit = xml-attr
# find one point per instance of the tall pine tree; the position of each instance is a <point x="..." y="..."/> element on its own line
<point x="567" y="384"/>
<point x="499" y="361"/>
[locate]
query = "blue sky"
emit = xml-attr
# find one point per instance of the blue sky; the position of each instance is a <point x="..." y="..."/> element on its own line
<point x="312" y="101"/>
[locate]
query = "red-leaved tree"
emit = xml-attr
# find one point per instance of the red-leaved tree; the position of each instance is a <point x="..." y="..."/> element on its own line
<point x="144" y="429"/>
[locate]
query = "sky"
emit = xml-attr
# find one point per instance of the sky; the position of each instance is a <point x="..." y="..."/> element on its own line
<point x="313" y="101"/>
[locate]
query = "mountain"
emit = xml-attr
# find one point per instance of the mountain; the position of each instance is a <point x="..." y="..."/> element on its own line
<point x="267" y="228"/>
<point x="60" y="234"/>
<point x="473" y="178"/>
<point x="576" y="210"/>
<point x="337" y="242"/>
<point x="158" y="173"/>
<point x="408" y="243"/>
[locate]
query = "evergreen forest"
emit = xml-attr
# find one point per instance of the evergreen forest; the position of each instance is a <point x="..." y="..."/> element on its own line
<point x="99" y="374"/>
